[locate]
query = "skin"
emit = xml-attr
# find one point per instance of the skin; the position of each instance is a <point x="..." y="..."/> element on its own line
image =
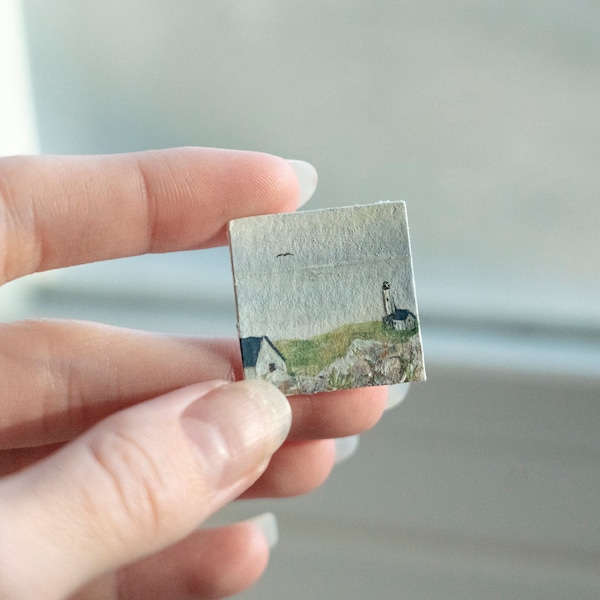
<point x="65" y="380"/>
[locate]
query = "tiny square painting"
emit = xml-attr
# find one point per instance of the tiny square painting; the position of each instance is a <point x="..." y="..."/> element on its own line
<point x="326" y="298"/>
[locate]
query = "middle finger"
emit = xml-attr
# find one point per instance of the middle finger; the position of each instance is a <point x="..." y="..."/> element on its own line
<point x="64" y="376"/>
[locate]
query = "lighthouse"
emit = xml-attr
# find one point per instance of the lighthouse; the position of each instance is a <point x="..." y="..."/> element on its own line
<point x="388" y="304"/>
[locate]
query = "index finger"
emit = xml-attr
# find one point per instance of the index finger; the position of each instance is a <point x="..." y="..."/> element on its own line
<point x="57" y="211"/>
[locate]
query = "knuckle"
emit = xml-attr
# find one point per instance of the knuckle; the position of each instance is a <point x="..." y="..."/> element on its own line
<point x="136" y="492"/>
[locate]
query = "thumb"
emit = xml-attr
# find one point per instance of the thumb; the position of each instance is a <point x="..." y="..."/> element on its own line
<point x="138" y="481"/>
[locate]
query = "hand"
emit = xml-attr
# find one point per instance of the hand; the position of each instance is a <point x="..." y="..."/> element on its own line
<point x="115" y="444"/>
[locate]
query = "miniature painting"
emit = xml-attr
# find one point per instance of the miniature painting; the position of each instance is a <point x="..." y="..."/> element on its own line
<point x="326" y="298"/>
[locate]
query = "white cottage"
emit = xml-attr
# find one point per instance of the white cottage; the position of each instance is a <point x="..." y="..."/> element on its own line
<point x="262" y="360"/>
<point x="401" y="320"/>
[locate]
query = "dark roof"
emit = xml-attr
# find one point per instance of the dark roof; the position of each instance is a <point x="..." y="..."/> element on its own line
<point x="250" y="347"/>
<point x="401" y="315"/>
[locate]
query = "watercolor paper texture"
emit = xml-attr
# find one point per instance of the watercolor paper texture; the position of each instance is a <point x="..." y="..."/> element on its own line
<point x="326" y="298"/>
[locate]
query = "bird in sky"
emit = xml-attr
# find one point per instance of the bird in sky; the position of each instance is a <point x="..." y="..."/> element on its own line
<point x="284" y="254"/>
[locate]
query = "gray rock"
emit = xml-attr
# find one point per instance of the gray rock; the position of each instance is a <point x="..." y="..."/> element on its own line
<point x="366" y="363"/>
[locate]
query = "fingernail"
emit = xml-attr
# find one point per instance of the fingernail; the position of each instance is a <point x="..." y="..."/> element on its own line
<point x="345" y="447"/>
<point x="307" y="179"/>
<point x="267" y="524"/>
<point x="236" y="428"/>
<point x="396" y="394"/>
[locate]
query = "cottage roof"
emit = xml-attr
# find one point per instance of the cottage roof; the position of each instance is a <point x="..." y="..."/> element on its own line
<point x="250" y="347"/>
<point x="401" y="314"/>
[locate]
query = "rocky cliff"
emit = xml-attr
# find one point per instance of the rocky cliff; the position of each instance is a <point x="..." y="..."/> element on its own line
<point x="366" y="363"/>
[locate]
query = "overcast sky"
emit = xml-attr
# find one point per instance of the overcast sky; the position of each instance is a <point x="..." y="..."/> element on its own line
<point x="333" y="275"/>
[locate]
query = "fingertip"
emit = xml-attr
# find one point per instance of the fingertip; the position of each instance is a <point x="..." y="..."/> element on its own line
<point x="337" y="414"/>
<point x="235" y="428"/>
<point x="297" y="468"/>
<point x="210" y="563"/>
<point x="272" y="184"/>
<point x="251" y="542"/>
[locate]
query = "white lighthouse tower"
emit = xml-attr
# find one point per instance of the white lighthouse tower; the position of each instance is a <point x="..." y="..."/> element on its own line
<point x="388" y="304"/>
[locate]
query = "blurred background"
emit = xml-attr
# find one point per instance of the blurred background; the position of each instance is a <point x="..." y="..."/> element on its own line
<point x="485" y="118"/>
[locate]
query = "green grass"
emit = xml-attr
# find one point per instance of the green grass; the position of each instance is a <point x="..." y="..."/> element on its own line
<point x="308" y="357"/>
